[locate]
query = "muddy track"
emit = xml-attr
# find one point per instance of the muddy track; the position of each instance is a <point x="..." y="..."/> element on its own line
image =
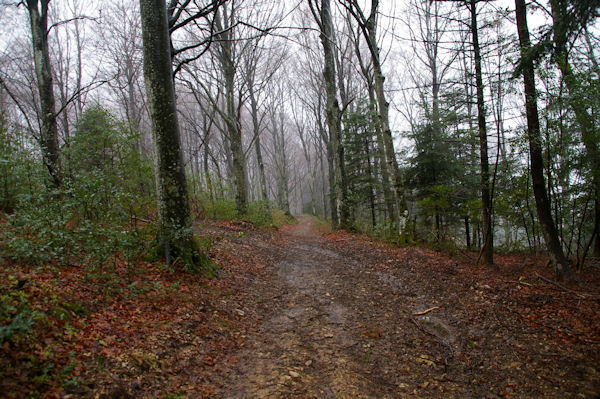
<point x="318" y="338"/>
<point x="335" y="325"/>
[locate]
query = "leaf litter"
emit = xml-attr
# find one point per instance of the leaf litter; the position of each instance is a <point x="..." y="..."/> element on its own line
<point x="297" y="313"/>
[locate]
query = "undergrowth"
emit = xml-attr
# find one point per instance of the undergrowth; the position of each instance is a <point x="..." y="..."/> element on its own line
<point x="260" y="213"/>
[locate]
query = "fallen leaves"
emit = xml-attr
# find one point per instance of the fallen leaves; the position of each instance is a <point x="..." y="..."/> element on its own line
<point x="161" y="333"/>
<point x="496" y="322"/>
<point x="135" y="323"/>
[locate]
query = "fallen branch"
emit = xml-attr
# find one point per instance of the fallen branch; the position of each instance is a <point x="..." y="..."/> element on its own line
<point x="520" y="282"/>
<point x="562" y="287"/>
<point x="426" y="311"/>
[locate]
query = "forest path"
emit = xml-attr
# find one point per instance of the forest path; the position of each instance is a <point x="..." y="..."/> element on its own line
<point x="330" y="329"/>
<point x="343" y="316"/>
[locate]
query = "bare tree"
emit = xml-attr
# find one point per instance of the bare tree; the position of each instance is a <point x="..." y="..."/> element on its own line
<point x="38" y="18"/>
<point x="322" y="16"/>
<point x="368" y="27"/>
<point x="487" y="249"/>
<point x="120" y="32"/>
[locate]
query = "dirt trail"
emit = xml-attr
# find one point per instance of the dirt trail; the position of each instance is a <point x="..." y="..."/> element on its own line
<point x="306" y="346"/>
<point x="336" y="324"/>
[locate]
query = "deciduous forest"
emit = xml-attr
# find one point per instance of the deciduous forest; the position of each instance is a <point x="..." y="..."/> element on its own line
<point x="307" y="198"/>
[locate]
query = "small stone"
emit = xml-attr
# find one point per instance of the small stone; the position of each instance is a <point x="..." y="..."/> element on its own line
<point x="294" y="374"/>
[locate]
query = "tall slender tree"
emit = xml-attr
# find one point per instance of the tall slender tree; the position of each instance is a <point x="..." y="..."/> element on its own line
<point x="333" y="111"/>
<point x="555" y="251"/>
<point x="224" y="23"/>
<point x="38" y="18"/>
<point x="487" y="249"/>
<point x="368" y="27"/>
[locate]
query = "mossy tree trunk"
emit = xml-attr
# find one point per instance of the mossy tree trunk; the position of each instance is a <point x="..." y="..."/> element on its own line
<point x="38" y="18"/>
<point x="175" y="237"/>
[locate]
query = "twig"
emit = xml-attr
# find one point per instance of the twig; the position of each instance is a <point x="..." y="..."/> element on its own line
<point x="520" y="282"/>
<point x="562" y="287"/>
<point x="426" y="311"/>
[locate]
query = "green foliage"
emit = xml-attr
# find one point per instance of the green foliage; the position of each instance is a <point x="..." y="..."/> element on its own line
<point x="16" y="317"/>
<point x="94" y="214"/>
<point x="259" y="214"/>
<point x="361" y="157"/>
<point x="222" y="209"/>
<point x="438" y="201"/>
<point x="282" y="218"/>
<point x="19" y="173"/>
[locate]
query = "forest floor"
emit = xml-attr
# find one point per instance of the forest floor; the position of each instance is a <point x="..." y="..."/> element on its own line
<point x="299" y="313"/>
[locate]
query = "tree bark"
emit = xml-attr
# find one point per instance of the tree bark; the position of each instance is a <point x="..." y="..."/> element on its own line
<point x="333" y="115"/>
<point x="257" y="145"/>
<point x="384" y="119"/>
<point x="555" y="251"/>
<point x="385" y="185"/>
<point x="487" y="249"/>
<point x="335" y="222"/>
<point x="233" y="118"/>
<point x="175" y="239"/>
<point x="38" y="18"/>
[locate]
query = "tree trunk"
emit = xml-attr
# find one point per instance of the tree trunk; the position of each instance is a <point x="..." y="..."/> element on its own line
<point x="256" y="130"/>
<point x="207" y="178"/>
<point x="333" y="114"/>
<point x="175" y="238"/>
<point x="388" y="195"/>
<point x="233" y="118"/>
<point x="335" y="222"/>
<point x="467" y="233"/>
<point x="386" y="132"/>
<point x="38" y="18"/>
<point x="487" y="249"/>
<point x="555" y="251"/>
<point x="280" y="158"/>
<point x="323" y="183"/>
<point x="371" y="193"/>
